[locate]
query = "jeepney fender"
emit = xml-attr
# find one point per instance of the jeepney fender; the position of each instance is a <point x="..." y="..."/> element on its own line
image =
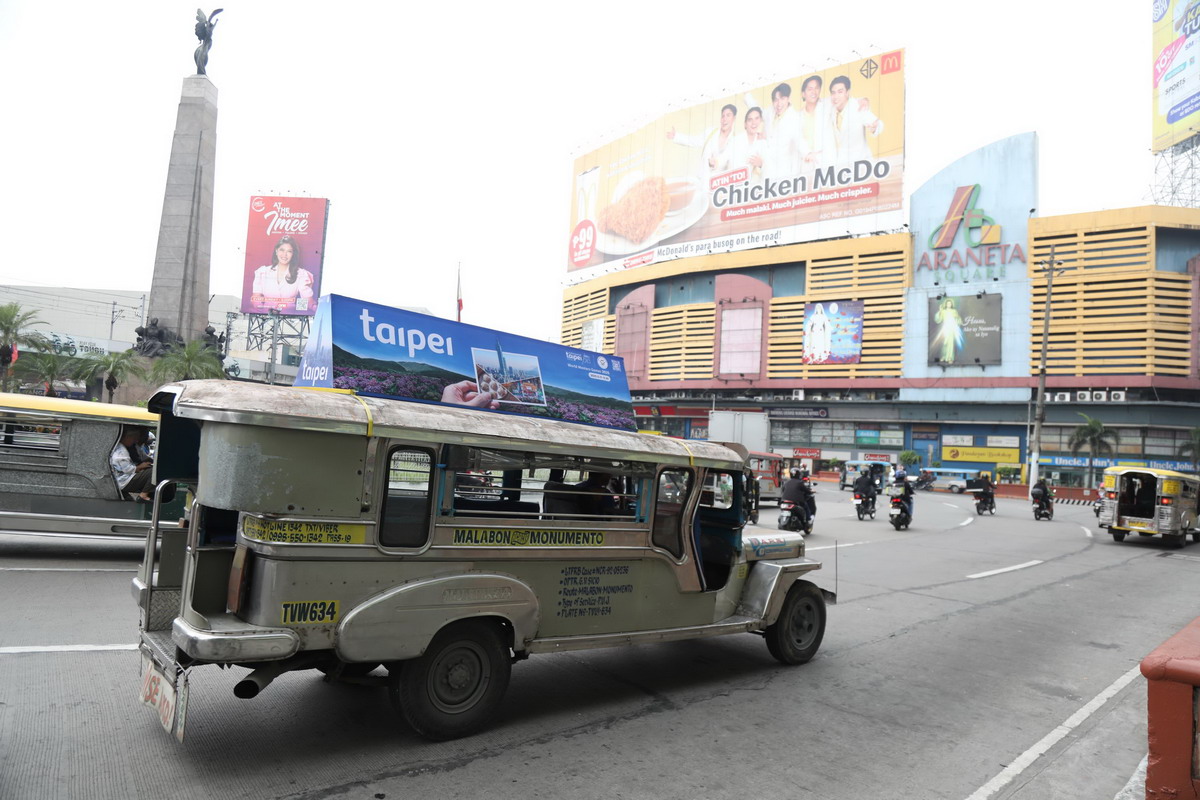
<point x="768" y="583"/>
<point x="400" y="622"/>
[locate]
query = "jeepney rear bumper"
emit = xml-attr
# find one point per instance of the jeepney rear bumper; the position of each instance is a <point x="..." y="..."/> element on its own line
<point x="228" y="639"/>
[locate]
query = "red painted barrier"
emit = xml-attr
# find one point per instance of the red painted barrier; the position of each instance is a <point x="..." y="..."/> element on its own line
<point x="1172" y="679"/>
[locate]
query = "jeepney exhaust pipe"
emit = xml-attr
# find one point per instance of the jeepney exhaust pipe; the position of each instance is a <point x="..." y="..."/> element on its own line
<point x="257" y="680"/>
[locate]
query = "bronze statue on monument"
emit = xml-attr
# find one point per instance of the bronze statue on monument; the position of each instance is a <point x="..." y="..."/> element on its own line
<point x="204" y="32"/>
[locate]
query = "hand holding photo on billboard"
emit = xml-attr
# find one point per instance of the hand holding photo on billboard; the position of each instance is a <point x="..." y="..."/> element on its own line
<point x="467" y="393"/>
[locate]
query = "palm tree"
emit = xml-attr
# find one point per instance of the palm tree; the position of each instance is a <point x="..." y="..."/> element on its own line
<point x="1096" y="438"/>
<point x="1191" y="448"/>
<point x="116" y="367"/>
<point x="47" y="368"/>
<point x="15" y="333"/>
<point x="193" y="360"/>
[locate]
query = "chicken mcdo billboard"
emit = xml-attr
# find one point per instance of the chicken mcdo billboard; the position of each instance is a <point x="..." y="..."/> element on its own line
<point x="812" y="156"/>
<point x="285" y="248"/>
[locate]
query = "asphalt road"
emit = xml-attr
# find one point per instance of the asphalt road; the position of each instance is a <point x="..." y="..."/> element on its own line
<point x="967" y="657"/>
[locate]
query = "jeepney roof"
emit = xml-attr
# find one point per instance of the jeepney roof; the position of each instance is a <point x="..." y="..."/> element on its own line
<point x="1162" y="473"/>
<point x="342" y="411"/>
<point x="58" y="407"/>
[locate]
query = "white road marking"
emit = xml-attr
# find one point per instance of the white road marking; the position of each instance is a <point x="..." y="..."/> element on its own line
<point x="67" y="569"/>
<point x="65" y="648"/>
<point x="1049" y="740"/>
<point x="1086" y="531"/>
<point x="832" y="546"/>
<point x="952" y="505"/>
<point x="966" y="521"/>
<point x="1005" y="569"/>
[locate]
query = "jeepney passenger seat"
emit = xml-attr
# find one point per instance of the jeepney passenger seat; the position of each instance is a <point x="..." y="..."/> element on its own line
<point x="556" y="501"/>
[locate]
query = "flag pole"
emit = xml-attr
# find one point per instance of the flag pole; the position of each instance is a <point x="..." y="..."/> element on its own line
<point x="459" y="303"/>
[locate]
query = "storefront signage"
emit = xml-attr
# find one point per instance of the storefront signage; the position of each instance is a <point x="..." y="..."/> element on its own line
<point x="803" y="412"/>
<point x="957" y="439"/>
<point x="984" y="454"/>
<point x="806" y="452"/>
<point x="1004" y="441"/>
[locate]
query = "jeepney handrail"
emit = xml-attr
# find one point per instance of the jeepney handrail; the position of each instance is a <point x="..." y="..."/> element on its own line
<point x="146" y="571"/>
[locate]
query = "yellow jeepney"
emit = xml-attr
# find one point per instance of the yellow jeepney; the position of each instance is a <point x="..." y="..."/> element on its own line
<point x="1150" y="502"/>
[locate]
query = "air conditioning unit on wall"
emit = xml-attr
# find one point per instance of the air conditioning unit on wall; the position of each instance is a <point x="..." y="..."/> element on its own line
<point x="1083" y="397"/>
<point x="1099" y="397"/>
<point x="797" y="394"/>
<point x="1062" y="397"/>
<point x="1117" y="397"/>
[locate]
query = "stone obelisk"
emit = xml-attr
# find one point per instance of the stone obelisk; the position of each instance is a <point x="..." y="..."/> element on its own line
<point x="179" y="290"/>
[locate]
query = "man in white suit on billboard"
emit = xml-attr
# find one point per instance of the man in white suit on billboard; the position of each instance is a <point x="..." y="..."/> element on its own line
<point x="849" y="125"/>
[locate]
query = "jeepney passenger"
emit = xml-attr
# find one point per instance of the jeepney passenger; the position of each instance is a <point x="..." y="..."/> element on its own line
<point x="131" y="478"/>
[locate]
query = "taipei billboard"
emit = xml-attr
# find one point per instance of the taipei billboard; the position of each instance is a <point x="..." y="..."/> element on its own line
<point x="812" y="156"/>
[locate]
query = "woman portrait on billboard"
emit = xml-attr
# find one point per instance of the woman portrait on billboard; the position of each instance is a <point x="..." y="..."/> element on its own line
<point x="283" y="285"/>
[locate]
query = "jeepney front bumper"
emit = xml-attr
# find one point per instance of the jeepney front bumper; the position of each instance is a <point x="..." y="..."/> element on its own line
<point x="228" y="639"/>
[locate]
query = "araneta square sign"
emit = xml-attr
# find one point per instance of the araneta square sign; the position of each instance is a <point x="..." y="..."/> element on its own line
<point x="970" y="222"/>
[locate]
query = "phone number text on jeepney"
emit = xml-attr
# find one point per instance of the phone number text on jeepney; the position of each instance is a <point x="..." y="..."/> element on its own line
<point x="289" y="532"/>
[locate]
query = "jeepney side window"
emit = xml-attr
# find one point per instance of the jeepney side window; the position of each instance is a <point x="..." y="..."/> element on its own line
<point x="405" y="521"/>
<point x="674" y="487"/>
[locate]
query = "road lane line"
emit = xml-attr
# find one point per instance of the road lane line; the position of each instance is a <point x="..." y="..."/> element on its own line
<point x="67" y="569"/>
<point x="65" y="648"/>
<point x="966" y="521"/>
<point x="1086" y="531"/>
<point x="832" y="546"/>
<point x="952" y="505"/>
<point x="1005" y="569"/>
<point x="1049" y="740"/>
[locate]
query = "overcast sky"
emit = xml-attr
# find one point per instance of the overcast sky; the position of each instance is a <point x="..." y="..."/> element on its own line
<point x="445" y="133"/>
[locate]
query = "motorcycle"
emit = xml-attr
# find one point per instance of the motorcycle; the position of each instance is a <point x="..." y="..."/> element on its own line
<point x="793" y="517"/>
<point x="1097" y="504"/>
<point x="898" y="512"/>
<point x="985" y="503"/>
<point x="924" y="484"/>
<point x="864" y="505"/>
<point x="1042" y="509"/>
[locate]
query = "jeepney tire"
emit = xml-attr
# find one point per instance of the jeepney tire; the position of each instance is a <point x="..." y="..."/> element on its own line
<point x="796" y="635"/>
<point x="1178" y="540"/>
<point x="1118" y="536"/>
<point x="1196" y="536"/>
<point x="456" y="687"/>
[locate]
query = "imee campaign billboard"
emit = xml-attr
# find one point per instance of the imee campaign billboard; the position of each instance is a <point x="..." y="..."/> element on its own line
<point x="389" y="352"/>
<point x="811" y="156"/>
<point x="285" y="248"/>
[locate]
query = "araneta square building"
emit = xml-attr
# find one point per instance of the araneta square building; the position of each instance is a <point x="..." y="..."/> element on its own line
<point x="925" y="335"/>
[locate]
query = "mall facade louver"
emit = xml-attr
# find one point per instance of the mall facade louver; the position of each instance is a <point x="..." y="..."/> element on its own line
<point x="928" y="337"/>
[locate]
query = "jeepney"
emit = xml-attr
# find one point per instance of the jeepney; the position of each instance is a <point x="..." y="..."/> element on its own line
<point x="343" y="533"/>
<point x="1150" y="502"/>
<point x="54" y="468"/>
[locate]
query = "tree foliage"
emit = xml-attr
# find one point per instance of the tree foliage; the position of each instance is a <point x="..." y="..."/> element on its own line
<point x="192" y="361"/>
<point x="1098" y="440"/>
<point x="116" y="368"/>
<point x="1191" y="449"/>
<point x="16" y="331"/>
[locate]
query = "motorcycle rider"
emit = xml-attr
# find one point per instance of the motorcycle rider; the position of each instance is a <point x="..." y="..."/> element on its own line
<point x="864" y="485"/>
<point x="1042" y="494"/>
<point x="987" y="489"/>
<point x="798" y="490"/>
<point x="901" y="479"/>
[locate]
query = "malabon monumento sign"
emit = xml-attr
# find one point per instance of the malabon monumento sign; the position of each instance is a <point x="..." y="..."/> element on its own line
<point x="809" y="157"/>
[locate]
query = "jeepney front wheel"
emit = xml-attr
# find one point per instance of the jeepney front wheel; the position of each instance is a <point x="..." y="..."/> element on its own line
<point x="1118" y="536"/>
<point x="456" y="687"/>
<point x="796" y="635"/>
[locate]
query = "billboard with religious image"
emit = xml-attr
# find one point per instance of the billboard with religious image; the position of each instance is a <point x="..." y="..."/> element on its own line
<point x="965" y="330"/>
<point x="285" y="250"/>
<point x="833" y="332"/>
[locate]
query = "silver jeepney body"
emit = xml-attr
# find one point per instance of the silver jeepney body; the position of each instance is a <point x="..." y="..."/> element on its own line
<point x="283" y="562"/>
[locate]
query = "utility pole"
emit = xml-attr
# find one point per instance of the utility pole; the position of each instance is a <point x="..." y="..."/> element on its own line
<point x="1039" y="414"/>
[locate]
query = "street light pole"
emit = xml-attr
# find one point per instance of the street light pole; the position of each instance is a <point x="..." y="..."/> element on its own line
<point x="1039" y="414"/>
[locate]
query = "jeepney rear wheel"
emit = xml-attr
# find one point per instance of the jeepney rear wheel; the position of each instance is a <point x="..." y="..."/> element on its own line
<point x="796" y="635"/>
<point x="1178" y="540"/>
<point x="1118" y="536"/>
<point x="455" y="688"/>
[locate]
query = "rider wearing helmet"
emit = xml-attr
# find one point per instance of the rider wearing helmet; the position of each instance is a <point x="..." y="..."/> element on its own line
<point x="798" y="490"/>
<point x="901" y="479"/>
